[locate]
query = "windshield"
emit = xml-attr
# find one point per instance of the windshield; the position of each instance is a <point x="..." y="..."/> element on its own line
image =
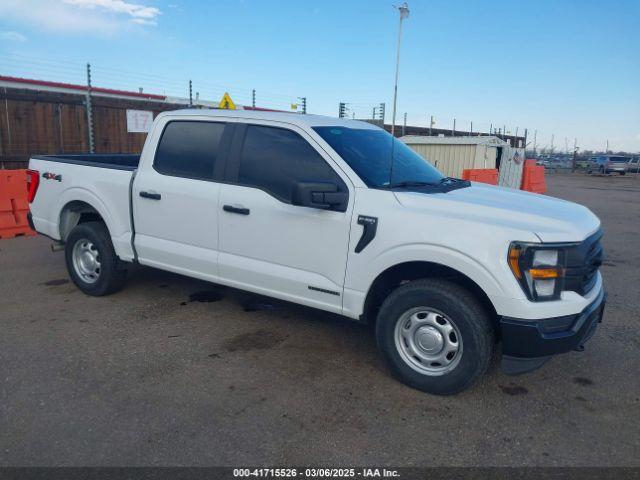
<point x="369" y="152"/>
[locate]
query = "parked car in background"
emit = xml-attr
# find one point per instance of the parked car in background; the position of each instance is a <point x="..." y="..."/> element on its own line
<point x="634" y="165"/>
<point x="605" y="164"/>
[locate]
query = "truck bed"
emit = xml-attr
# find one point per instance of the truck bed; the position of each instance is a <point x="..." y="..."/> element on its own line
<point x="120" y="161"/>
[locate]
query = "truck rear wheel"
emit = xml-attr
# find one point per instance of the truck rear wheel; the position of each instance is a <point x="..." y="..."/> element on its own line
<point x="435" y="335"/>
<point x="92" y="262"/>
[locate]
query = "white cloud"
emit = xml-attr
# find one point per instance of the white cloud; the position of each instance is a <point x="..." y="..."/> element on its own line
<point x="13" y="37"/>
<point x="78" y="16"/>
<point x="138" y="13"/>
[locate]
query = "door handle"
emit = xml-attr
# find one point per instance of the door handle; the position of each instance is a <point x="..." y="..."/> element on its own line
<point x="151" y="195"/>
<point x="238" y="210"/>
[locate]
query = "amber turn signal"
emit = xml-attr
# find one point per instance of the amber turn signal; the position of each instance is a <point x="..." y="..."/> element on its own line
<point x="514" y="259"/>
<point x="545" y="273"/>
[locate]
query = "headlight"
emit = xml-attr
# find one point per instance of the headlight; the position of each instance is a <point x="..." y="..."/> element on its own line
<point x="538" y="269"/>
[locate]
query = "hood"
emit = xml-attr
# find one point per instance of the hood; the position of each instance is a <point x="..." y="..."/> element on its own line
<point x="550" y="219"/>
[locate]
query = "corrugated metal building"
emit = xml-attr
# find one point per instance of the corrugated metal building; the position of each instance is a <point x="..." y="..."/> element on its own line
<point x="452" y="155"/>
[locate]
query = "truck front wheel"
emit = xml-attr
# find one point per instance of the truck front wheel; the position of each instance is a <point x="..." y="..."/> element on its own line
<point x="435" y="335"/>
<point x="91" y="260"/>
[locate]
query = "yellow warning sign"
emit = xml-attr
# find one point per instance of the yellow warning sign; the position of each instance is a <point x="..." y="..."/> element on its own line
<point x="226" y="102"/>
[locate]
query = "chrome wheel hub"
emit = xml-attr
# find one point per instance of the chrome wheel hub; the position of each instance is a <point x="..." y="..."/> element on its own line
<point x="86" y="260"/>
<point x="428" y="341"/>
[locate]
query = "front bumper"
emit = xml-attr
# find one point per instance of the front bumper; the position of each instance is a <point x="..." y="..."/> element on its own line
<point x="527" y="344"/>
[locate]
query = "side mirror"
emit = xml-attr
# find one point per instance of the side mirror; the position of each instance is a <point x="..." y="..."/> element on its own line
<point x="322" y="195"/>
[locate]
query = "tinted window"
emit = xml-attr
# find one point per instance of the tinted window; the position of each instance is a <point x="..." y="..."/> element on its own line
<point x="370" y="153"/>
<point x="189" y="149"/>
<point x="275" y="159"/>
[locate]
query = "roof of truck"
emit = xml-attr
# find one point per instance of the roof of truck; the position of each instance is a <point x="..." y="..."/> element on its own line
<point x="294" y="118"/>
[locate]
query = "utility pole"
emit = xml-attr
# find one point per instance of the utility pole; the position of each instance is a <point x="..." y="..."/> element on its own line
<point x="253" y="98"/>
<point x="471" y="130"/>
<point x="552" y="138"/>
<point x="431" y="124"/>
<point x="342" y="110"/>
<point x="606" y="150"/>
<point x="190" y="94"/>
<point x="404" y="13"/>
<point x="575" y="155"/>
<point x="491" y="129"/>
<point x="516" y="139"/>
<point x="535" y="140"/>
<point x="89" y="110"/>
<point x="404" y="125"/>
<point x="453" y="130"/>
<point x="566" y="146"/>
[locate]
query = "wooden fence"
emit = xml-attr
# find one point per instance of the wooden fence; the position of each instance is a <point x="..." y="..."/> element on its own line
<point x="47" y="122"/>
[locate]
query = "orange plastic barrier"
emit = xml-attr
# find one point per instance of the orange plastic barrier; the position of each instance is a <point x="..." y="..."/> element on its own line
<point x="482" y="175"/>
<point x="13" y="204"/>
<point x="533" y="177"/>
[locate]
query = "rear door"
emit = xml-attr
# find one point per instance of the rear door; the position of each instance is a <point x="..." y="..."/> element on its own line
<point x="268" y="244"/>
<point x="176" y="195"/>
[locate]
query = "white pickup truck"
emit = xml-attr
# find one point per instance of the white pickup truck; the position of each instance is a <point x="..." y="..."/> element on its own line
<point x="335" y="214"/>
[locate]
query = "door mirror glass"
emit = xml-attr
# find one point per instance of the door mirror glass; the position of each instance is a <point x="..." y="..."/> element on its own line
<point x="322" y="195"/>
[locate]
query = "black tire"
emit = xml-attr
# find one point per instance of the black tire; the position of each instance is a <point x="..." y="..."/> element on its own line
<point x="463" y="309"/>
<point x="112" y="273"/>
<point x="623" y="173"/>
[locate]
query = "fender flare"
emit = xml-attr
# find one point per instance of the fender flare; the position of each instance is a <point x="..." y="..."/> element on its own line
<point x="447" y="257"/>
<point x="79" y="194"/>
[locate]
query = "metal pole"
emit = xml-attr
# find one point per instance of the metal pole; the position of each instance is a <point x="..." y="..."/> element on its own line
<point x="453" y="131"/>
<point x="190" y="94"/>
<point x="404" y="12"/>
<point x="253" y="98"/>
<point x="535" y="143"/>
<point x="471" y="129"/>
<point x="404" y="125"/>
<point x="89" y="111"/>
<point x="430" y="125"/>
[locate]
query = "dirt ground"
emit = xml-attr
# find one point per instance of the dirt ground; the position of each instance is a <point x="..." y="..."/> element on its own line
<point x="174" y="371"/>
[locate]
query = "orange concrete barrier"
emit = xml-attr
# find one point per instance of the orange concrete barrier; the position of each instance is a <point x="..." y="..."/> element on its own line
<point x="533" y="177"/>
<point x="482" y="175"/>
<point x="13" y="204"/>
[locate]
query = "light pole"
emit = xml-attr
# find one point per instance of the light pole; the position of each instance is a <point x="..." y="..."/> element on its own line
<point x="404" y="13"/>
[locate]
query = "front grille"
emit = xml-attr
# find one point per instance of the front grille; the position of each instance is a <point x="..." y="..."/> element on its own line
<point x="582" y="264"/>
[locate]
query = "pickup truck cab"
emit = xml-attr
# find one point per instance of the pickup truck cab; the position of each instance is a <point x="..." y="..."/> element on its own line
<point x="338" y="215"/>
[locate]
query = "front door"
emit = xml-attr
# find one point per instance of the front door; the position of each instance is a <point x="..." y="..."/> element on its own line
<point x="269" y="245"/>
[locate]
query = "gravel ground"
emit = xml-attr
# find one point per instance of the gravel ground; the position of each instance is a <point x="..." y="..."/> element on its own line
<point x="174" y="371"/>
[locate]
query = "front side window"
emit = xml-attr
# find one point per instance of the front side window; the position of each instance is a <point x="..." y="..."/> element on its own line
<point x="189" y="149"/>
<point x="378" y="159"/>
<point x="276" y="159"/>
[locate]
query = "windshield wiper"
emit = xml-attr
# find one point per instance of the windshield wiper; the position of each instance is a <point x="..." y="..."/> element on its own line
<point x="450" y="180"/>
<point x="410" y="184"/>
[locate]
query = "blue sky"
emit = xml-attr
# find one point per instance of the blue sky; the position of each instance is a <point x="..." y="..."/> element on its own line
<point x="565" y="68"/>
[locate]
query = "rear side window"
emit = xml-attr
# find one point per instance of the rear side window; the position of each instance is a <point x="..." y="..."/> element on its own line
<point x="275" y="159"/>
<point x="189" y="149"/>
